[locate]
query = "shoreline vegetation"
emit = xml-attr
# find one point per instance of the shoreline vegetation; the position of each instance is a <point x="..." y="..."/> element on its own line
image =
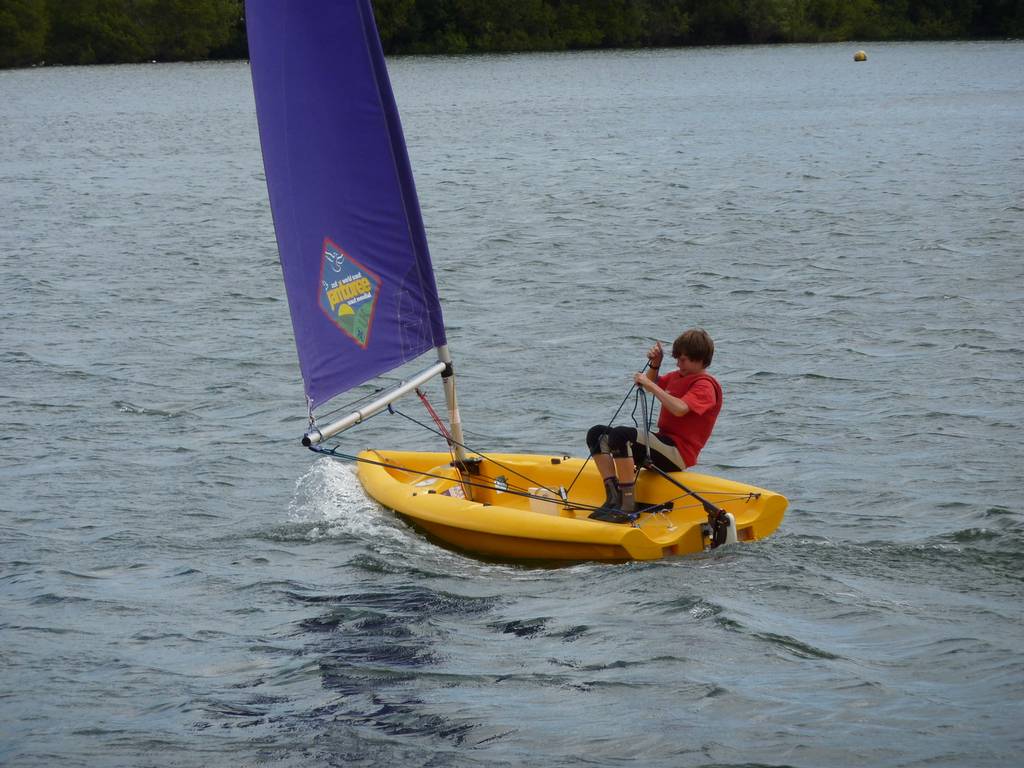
<point x="38" y="32"/>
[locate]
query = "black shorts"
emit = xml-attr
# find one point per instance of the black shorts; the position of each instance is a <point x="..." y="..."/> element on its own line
<point x="628" y="441"/>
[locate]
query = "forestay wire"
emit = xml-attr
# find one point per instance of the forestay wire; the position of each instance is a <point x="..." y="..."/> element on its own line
<point x="451" y="442"/>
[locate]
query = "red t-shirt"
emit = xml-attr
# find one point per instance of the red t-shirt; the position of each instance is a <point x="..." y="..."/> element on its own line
<point x="703" y="395"/>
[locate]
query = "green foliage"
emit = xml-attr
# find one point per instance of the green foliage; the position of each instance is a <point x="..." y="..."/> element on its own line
<point x="109" y="31"/>
<point x="458" y="26"/>
<point x="102" y="31"/>
<point x="96" y="31"/>
<point x="187" y="30"/>
<point x="1003" y="18"/>
<point x="23" y="26"/>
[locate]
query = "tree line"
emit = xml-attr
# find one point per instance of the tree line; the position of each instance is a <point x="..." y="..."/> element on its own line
<point x="114" y="31"/>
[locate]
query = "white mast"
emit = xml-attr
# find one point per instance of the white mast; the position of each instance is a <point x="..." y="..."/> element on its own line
<point x="454" y="419"/>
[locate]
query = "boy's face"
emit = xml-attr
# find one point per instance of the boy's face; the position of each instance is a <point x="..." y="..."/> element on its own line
<point x="687" y="366"/>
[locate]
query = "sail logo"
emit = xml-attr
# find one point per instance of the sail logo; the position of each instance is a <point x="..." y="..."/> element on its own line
<point x="348" y="292"/>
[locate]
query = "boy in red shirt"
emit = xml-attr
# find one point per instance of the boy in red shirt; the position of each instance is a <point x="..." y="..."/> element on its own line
<point x="690" y="402"/>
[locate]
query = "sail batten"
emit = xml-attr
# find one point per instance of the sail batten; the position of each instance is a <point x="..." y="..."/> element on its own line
<point x="353" y="248"/>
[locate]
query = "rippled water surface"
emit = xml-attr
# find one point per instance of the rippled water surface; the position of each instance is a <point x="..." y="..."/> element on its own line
<point x="181" y="584"/>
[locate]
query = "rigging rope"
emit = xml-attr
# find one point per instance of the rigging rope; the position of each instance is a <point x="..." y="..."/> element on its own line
<point x="641" y="401"/>
<point x="455" y="442"/>
<point x="433" y="414"/>
<point x="610" y="422"/>
<point x="447" y="436"/>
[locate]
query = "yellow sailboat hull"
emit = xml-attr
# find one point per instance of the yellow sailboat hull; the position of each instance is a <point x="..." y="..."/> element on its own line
<point x="507" y="511"/>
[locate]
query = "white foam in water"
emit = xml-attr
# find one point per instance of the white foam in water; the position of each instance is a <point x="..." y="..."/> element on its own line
<point x="330" y="493"/>
<point x="330" y="496"/>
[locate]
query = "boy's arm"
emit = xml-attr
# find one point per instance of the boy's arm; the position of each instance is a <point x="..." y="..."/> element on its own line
<point x="674" y="405"/>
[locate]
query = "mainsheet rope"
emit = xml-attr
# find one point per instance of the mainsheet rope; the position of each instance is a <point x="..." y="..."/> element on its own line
<point x="638" y="394"/>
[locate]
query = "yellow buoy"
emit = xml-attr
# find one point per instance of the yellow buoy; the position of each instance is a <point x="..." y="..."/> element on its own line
<point x="860" y="56"/>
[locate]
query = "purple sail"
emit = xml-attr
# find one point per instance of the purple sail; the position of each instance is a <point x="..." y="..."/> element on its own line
<point x="353" y="250"/>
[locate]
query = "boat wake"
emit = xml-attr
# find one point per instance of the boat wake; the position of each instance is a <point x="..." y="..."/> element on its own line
<point x="330" y="501"/>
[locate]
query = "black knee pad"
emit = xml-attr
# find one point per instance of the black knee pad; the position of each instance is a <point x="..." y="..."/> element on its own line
<point x="597" y="439"/>
<point x="621" y="439"/>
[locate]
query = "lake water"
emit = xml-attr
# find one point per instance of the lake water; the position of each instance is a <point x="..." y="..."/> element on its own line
<point x="182" y="584"/>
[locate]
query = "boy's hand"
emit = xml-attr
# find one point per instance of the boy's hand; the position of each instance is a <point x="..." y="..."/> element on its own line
<point x="655" y="355"/>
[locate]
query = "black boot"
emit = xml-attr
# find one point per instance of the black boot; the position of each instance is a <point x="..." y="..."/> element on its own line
<point x="611" y="510"/>
<point x="627" y="503"/>
<point x="612" y="496"/>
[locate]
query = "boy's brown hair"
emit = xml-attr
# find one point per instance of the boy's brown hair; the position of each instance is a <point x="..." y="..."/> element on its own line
<point x="696" y="345"/>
